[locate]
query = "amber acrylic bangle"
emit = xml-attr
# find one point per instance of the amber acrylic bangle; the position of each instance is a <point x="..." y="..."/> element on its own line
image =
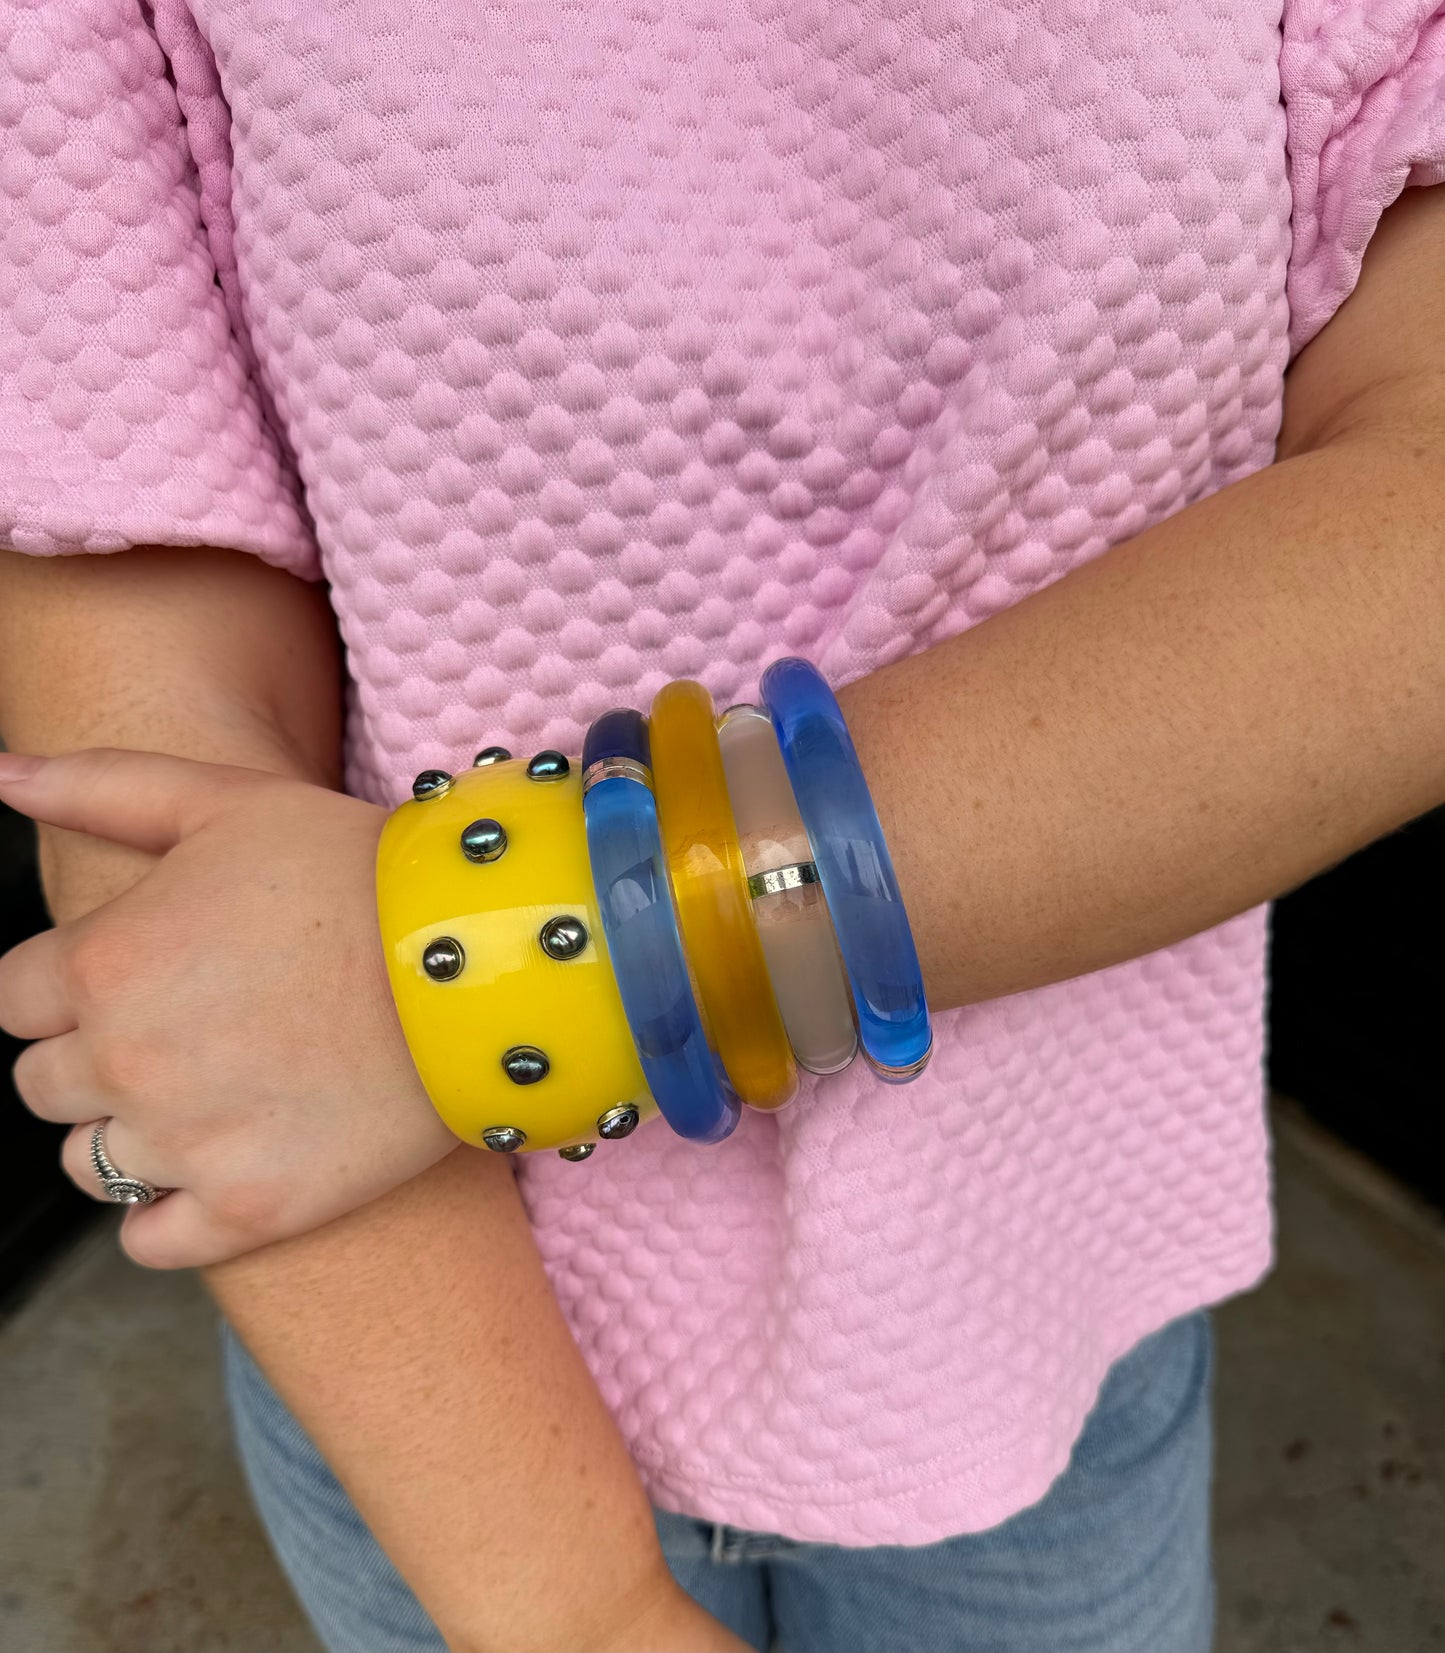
<point x="710" y="891"/>
<point x="792" y="916"/>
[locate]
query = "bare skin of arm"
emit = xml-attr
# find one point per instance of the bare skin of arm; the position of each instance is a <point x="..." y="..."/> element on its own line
<point x="1210" y="713"/>
<point x="418" y="1339"/>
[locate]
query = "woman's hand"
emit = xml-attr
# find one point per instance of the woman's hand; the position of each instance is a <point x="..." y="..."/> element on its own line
<point x="229" y="1014"/>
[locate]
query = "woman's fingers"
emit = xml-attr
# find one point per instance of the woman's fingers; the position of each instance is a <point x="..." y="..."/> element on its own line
<point x="127" y="1154"/>
<point x="36" y="1000"/>
<point x="145" y="799"/>
<point x="187" y="1009"/>
<point x="54" y="1078"/>
<point x="176" y="1232"/>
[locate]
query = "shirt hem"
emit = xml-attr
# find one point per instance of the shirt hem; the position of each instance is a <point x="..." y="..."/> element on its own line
<point x="965" y="1493"/>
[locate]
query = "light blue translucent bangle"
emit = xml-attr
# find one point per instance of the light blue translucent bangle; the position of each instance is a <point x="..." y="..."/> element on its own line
<point x="854" y="868"/>
<point x="638" y="919"/>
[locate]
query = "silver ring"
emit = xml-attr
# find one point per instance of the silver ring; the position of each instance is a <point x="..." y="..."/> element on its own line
<point x="779" y="879"/>
<point x="122" y="1189"/>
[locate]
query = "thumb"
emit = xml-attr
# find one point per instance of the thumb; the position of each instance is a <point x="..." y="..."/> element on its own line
<point x="145" y="799"/>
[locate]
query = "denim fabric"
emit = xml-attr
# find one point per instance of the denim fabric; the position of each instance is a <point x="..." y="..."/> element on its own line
<point x="1114" y="1559"/>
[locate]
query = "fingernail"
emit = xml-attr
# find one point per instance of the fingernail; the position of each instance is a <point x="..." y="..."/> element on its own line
<point x="18" y="766"/>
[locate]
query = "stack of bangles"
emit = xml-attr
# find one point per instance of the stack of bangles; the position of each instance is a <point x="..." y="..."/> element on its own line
<point x="706" y="908"/>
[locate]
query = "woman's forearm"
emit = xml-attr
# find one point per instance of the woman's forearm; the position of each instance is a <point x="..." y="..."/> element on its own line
<point x="418" y="1339"/>
<point x="206" y="654"/>
<point x="1209" y="714"/>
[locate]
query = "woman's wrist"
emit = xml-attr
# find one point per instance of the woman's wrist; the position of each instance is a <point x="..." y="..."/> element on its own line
<point x="653" y="1614"/>
<point x="1185" y="728"/>
<point x="672" y="1622"/>
<point x="570" y="945"/>
<point x="79" y="874"/>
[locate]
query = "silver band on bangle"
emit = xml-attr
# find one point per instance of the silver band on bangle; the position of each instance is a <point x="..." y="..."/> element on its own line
<point x="605" y="769"/>
<point x="123" y="1190"/>
<point x="777" y="880"/>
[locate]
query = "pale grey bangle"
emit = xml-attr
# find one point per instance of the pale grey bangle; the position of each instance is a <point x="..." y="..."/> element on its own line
<point x="793" y="921"/>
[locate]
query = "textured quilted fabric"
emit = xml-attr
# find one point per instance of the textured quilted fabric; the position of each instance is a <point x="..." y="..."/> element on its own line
<point x="588" y="344"/>
<point x="1366" y="84"/>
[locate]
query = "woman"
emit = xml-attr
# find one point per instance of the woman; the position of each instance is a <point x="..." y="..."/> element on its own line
<point x="583" y="348"/>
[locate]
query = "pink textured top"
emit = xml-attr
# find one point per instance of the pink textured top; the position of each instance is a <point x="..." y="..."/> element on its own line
<point x="588" y="344"/>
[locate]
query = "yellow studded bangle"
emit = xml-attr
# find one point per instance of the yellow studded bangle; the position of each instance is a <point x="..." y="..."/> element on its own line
<point x="498" y="963"/>
<point x="710" y="889"/>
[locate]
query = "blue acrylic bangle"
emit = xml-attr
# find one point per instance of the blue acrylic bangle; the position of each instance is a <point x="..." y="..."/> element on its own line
<point x="854" y="868"/>
<point x="640" y="923"/>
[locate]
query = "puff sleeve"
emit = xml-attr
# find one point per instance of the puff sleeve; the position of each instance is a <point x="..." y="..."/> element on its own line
<point x="129" y="410"/>
<point x="1363" y="83"/>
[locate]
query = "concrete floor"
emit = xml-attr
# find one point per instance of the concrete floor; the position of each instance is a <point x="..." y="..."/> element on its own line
<point x="124" y="1526"/>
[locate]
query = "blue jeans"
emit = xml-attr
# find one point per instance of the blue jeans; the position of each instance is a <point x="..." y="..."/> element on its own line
<point x="1114" y="1559"/>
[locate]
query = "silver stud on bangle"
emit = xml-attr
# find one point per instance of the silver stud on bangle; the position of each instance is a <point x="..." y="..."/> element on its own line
<point x="503" y="1139"/>
<point x="443" y="958"/>
<point x="490" y="754"/>
<point x="431" y="783"/>
<point x="525" y="1064"/>
<point x="484" y="840"/>
<point x="563" y="938"/>
<point x="548" y="766"/>
<point x="618" y="1122"/>
<point x="578" y="1150"/>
